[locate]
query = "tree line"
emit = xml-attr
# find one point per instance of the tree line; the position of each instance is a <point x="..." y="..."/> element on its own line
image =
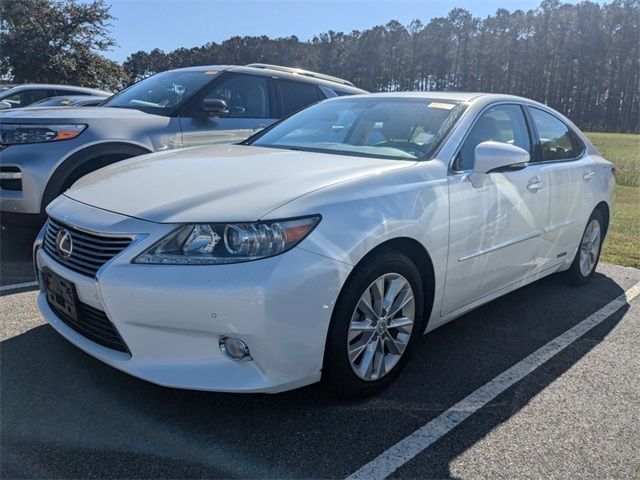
<point x="583" y="59"/>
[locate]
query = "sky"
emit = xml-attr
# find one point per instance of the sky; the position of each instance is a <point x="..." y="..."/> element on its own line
<point x="170" y="24"/>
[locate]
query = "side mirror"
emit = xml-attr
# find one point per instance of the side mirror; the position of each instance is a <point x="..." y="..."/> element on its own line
<point x="490" y="156"/>
<point x="215" y="107"/>
<point x="4" y="105"/>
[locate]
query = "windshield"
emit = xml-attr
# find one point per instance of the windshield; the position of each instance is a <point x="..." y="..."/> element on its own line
<point x="163" y="93"/>
<point x="396" y="128"/>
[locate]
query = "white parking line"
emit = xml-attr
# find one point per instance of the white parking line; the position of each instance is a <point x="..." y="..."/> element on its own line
<point x="17" y="286"/>
<point x="406" y="449"/>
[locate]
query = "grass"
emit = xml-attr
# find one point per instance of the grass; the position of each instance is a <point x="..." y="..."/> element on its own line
<point x="623" y="149"/>
<point x="623" y="241"/>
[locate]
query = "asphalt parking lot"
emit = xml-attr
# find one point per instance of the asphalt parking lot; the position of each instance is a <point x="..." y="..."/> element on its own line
<point x="573" y="414"/>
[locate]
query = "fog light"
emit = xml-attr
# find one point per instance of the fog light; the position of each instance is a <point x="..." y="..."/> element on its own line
<point x="234" y="349"/>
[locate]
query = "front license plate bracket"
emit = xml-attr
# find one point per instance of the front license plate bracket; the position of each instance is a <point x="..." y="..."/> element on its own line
<point x="61" y="294"/>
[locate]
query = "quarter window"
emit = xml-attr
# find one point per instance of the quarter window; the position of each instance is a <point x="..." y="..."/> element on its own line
<point x="557" y="141"/>
<point x="502" y="123"/>
<point x="247" y="96"/>
<point x="327" y="92"/>
<point x="297" y="95"/>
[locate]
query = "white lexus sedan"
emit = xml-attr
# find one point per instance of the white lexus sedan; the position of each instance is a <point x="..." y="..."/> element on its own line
<point x="324" y="246"/>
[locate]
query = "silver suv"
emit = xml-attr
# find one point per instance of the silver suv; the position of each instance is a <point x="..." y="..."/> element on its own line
<point x="19" y="96"/>
<point x="44" y="151"/>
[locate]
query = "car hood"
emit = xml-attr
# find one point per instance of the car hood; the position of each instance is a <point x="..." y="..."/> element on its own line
<point x="218" y="183"/>
<point x="69" y="114"/>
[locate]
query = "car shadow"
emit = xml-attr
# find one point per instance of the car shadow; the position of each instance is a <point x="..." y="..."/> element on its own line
<point x="15" y="254"/>
<point x="65" y="414"/>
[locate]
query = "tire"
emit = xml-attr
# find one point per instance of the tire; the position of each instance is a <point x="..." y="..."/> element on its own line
<point x="348" y="375"/>
<point x="83" y="162"/>
<point x="586" y="260"/>
<point x="78" y="173"/>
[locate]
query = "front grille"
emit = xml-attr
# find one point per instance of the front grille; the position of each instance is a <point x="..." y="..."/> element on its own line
<point x="90" y="250"/>
<point x="94" y="325"/>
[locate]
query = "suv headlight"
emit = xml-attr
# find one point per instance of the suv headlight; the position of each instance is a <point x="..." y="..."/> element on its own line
<point x="14" y="134"/>
<point x="215" y="243"/>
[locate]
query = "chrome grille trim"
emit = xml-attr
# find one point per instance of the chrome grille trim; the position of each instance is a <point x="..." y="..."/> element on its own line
<point x="90" y="250"/>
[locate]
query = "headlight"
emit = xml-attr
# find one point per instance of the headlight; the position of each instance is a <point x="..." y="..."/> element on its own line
<point x="13" y="134"/>
<point x="209" y="244"/>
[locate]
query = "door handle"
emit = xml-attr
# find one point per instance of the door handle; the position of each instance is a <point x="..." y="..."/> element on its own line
<point x="588" y="176"/>
<point x="535" y="185"/>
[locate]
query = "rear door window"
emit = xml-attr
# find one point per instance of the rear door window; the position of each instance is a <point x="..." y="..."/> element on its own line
<point x="297" y="95"/>
<point x="247" y="96"/>
<point x="557" y="140"/>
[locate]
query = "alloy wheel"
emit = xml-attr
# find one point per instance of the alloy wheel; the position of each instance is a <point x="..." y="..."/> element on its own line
<point x="590" y="247"/>
<point x="381" y="326"/>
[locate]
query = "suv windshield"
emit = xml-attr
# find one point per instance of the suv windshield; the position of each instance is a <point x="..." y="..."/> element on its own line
<point x="396" y="128"/>
<point x="163" y="93"/>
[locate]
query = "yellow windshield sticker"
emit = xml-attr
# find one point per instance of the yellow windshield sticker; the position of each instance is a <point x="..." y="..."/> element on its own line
<point x="211" y="72"/>
<point x="444" y="106"/>
<point x="65" y="102"/>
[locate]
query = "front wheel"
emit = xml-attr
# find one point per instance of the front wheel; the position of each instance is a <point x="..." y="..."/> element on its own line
<point x="375" y="323"/>
<point x="588" y="254"/>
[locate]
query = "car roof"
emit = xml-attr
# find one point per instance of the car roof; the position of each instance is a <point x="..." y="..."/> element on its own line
<point x="201" y="68"/>
<point x="467" y="97"/>
<point x="27" y="86"/>
<point x="281" y="72"/>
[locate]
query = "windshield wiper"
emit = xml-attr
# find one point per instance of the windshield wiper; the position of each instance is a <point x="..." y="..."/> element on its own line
<point x="283" y="147"/>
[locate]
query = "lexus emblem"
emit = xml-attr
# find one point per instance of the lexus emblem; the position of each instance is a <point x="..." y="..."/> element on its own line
<point x="64" y="243"/>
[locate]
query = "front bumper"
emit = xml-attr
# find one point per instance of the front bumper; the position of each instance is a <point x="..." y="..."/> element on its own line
<point x="172" y="317"/>
<point x="34" y="163"/>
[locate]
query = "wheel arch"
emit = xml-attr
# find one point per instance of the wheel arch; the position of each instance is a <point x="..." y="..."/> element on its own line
<point x="86" y="161"/>
<point x="603" y="207"/>
<point x="419" y="255"/>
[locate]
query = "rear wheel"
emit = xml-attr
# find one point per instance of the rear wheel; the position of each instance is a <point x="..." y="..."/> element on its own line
<point x="374" y="326"/>
<point x="588" y="254"/>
